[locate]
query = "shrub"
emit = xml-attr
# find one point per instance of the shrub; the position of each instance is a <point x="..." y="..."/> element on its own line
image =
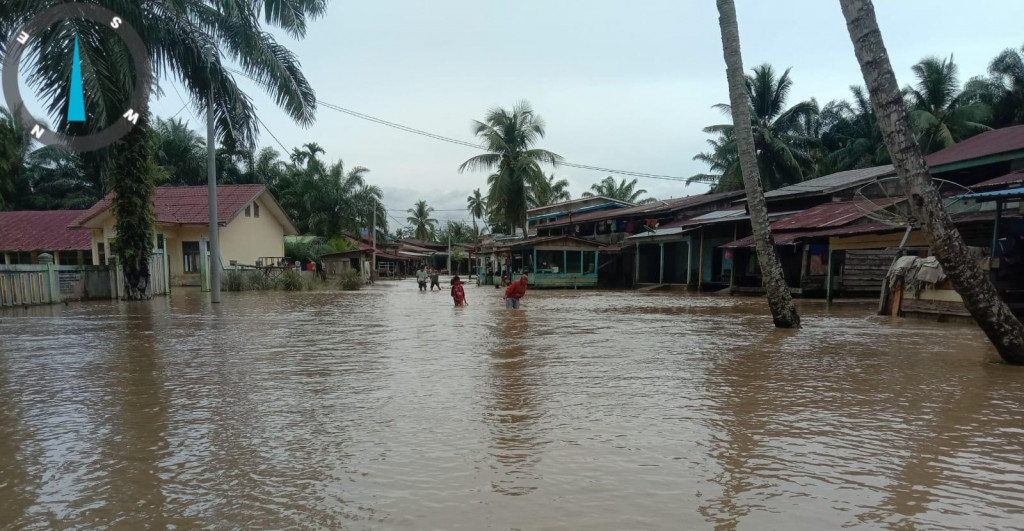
<point x="351" y="280"/>
<point x="256" y="281"/>
<point x="290" y="281"/>
<point x="233" y="281"/>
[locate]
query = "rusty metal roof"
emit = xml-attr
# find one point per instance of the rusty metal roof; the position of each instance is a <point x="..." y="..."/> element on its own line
<point x="993" y="142"/>
<point x="831" y="183"/>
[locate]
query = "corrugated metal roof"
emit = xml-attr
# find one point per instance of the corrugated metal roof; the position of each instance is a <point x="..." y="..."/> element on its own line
<point x="827" y="215"/>
<point x="652" y="209"/>
<point x="832" y="182"/>
<point x="35" y="230"/>
<point x="1016" y="177"/>
<point x="981" y="145"/>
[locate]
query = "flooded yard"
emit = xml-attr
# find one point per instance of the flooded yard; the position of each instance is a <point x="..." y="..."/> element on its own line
<point x="390" y="409"/>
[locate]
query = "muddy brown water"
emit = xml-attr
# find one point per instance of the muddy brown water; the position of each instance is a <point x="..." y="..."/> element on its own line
<point x="390" y="409"/>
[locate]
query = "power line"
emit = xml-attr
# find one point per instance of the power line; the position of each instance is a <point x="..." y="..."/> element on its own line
<point x="455" y="141"/>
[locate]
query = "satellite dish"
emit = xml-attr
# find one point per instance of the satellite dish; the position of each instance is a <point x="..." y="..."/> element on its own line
<point x="885" y="200"/>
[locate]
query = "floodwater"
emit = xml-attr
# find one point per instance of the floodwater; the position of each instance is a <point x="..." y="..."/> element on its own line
<point x="390" y="409"/>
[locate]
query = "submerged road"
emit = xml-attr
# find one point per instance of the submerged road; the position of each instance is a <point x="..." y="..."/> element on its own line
<point x="390" y="409"/>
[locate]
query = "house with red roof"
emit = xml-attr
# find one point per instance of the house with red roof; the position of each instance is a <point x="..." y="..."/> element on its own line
<point x="252" y="226"/>
<point x="26" y="234"/>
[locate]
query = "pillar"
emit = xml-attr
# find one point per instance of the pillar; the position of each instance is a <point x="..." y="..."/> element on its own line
<point x="689" y="260"/>
<point x="636" y="268"/>
<point x="661" y="264"/>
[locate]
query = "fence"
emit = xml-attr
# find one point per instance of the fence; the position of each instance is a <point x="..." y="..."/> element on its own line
<point x="46" y="283"/>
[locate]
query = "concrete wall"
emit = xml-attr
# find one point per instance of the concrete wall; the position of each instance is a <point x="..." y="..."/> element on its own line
<point x="244" y="239"/>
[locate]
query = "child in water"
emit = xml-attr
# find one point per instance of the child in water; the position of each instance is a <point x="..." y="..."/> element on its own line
<point x="458" y="293"/>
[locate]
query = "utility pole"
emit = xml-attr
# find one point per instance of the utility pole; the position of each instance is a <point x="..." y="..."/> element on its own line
<point x="449" y="254"/>
<point x="373" y="235"/>
<point x="211" y="170"/>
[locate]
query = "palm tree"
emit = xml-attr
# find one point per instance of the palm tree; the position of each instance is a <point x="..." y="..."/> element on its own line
<point x="623" y="191"/>
<point x="783" y="149"/>
<point x="942" y="113"/>
<point x="477" y="206"/>
<point x="58" y="179"/>
<point x="509" y="137"/>
<point x="14" y="149"/>
<point x="1003" y="90"/>
<point x="419" y="217"/>
<point x="854" y="140"/>
<point x="189" y="41"/>
<point x="779" y="299"/>
<point x="180" y="151"/>
<point x="548" y="192"/>
<point x="723" y="161"/>
<point x="979" y="295"/>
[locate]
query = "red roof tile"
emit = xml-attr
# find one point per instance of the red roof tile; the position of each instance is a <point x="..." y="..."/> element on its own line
<point x="187" y="205"/>
<point x="32" y="230"/>
<point x="982" y="145"/>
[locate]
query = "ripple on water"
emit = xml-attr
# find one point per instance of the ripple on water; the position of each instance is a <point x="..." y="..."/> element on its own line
<point x="389" y="408"/>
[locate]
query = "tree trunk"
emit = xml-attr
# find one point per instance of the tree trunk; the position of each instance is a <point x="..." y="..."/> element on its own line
<point x="133" y="208"/>
<point x="779" y="299"/>
<point x="980" y="296"/>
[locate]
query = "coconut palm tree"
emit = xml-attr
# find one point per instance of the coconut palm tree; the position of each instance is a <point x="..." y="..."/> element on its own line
<point x="477" y="206"/>
<point x="779" y="299"/>
<point x="190" y="41"/>
<point x="783" y="148"/>
<point x="548" y="192"/>
<point x="854" y="140"/>
<point x="1003" y="89"/>
<point x="942" y="113"/>
<point x="623" y="191"/>
<point x="971" y="282"/>
<point x="723" y="162"/>
<point x="419" y="217"/>
<point x="509" y="137"/>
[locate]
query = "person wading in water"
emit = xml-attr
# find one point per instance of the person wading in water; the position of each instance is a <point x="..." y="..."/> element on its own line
<point x="421" y="278"/>
<point x="458" y="293"/>
<point x="434" y="280"/>
<point x="516" y="291"/>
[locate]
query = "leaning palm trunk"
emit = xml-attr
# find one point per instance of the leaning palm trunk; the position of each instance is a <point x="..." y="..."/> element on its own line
<point x="979" y="295"/>
<point x="779" y="299"/>
<point x="133" y="208"/>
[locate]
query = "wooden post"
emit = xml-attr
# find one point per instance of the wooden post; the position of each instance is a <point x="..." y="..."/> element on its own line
<point x="828" y="277"/>
<point x="689" y="261"/>
<point x="636" y="269"/>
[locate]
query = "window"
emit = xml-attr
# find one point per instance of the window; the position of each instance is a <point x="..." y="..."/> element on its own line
<point x="161" y="241"/>
<point x="101" y="250"/>
<point x="255" y="209"/>
<point x="573" y="262"/>
<point x="67" y="257"/>
<point x="248" y="211"/>
<point x="190" y="255"/>
<point x="589" y="262"/>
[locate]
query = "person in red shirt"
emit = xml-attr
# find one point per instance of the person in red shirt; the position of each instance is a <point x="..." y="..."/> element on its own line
<point x="516" y="291"/>
<point x="458" y="293"/>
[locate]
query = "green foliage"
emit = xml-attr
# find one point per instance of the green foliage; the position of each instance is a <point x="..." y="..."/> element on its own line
<point x="350" y="280"/>
<point x="455" y="232"/>
<point x="942" y="114"/>
<point x="509" y="137"/>
<point x="623" y="191"/>
<point x="548" y="192"/>
<point x="133" y="209"/>
<point x="290" y="280"/>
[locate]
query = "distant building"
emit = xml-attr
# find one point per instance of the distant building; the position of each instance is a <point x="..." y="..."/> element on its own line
<point x="25" y="234"/>
<point x="253" y="226"/>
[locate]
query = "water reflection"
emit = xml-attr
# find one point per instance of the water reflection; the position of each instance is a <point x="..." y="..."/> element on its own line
<point x="512" y="408"/>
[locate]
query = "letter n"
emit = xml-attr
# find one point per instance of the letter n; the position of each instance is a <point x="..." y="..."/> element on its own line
<point x="132" y="116"/>
<point x="37" y="131"/>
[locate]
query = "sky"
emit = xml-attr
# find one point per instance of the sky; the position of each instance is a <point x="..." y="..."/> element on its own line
<point x="624" y="85"/>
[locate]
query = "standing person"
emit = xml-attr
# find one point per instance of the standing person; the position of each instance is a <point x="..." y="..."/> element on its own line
<point x="458" y="293"/>
<point x="516" y="291"/>
<point x="433" y="280"/>
<point x="421" y="278"/>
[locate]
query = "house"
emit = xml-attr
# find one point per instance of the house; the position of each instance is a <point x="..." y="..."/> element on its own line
<point x="252" y="226"/>
<point x="564" y="212"/>
<point x="24" y="235"/>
